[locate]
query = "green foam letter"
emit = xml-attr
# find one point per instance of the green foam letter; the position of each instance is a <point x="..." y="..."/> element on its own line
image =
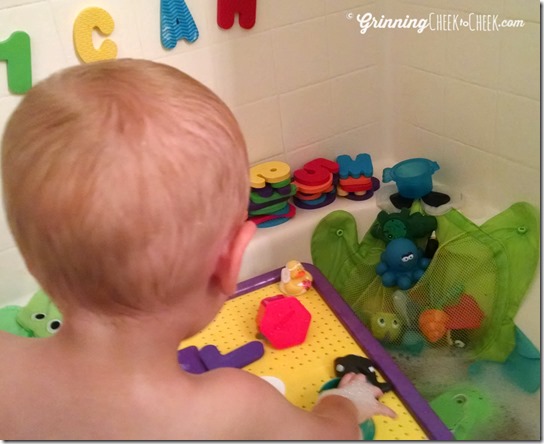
<point x="16" y="52"/>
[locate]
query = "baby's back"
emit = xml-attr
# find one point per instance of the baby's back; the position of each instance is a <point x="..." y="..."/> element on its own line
<point x="46" y="395"/>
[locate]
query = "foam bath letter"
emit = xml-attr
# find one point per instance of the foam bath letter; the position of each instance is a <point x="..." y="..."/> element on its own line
<point x="227" y="9"/>
<point x="316" y="172"/>
<point x="271" y="172"/>
<point x="176" y="23"/>
<point x="362" y="165"/>
<point x="16" y="52"/>
<point x="86" y="22"/>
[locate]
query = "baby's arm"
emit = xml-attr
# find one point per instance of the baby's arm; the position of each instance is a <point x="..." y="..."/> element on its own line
<point x="261" y="412"/>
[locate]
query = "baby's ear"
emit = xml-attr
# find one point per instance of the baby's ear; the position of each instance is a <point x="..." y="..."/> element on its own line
<point x="228" y="266"/>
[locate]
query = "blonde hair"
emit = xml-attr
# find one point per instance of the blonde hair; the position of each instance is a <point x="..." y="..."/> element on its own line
<point x="122" y="181"/>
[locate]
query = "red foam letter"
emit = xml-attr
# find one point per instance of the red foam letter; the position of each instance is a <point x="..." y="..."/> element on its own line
<point x="227" y="9"/>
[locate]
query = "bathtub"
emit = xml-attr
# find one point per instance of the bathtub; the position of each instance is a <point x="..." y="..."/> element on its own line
<point x="273" y="247"/>
<point x="518" y="412"/>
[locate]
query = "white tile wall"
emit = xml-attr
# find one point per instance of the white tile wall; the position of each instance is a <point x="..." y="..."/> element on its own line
<point x="364" y="139"/>
<point x="304" y="82"/>
<point x="420" y="98"/>
<point x="306" y="115"/>
<point x="518" y="128"/>
<point x="244" y="69"/>
<point x="300" y="53"/>
<point x="349" y="51"/>
<point x="356" y="98"/>
<point x="520" y="55"/>
<point x="278" y="13"/>
<point x="471" y="114"/>
<point x="261" y="124"/>
<point x="476" y="91"/>
<point x="473" y="57"/>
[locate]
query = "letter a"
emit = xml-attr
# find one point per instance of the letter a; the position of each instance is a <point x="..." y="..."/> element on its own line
<point x="176" y="23"/>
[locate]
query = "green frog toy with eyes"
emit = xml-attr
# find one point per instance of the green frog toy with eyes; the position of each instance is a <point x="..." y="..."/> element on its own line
<point x="40" y="318"/>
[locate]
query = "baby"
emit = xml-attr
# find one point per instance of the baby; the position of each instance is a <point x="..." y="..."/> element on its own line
<point x="126" y="187"/>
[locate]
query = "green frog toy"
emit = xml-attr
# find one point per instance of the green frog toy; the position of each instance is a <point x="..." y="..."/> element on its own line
<point x="40" y="318"/>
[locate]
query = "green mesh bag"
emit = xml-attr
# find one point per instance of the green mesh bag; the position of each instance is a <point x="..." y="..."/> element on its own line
<point x="467" y="297"/>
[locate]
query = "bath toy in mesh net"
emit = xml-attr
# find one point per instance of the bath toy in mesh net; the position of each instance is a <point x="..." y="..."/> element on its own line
<point x="493" y="264"/>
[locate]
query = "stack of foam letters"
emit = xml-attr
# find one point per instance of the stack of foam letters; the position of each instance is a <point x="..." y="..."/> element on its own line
<point x="315" y="185"/>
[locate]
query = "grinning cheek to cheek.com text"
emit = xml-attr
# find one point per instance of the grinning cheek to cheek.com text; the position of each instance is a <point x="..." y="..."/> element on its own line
<point x="438" y="22"/>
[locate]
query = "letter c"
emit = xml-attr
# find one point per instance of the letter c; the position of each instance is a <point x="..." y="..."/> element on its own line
<point x="85" y="23"/>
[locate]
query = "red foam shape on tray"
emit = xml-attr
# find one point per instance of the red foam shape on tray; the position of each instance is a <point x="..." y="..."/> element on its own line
<point x="283" y="321"/>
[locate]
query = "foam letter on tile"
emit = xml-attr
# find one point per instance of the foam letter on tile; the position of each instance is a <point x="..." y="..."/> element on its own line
<point x="16" y="52"/>
<point x="176" y="23"/>
<point x="227" y="9"/>
<point x="86" y="22"/>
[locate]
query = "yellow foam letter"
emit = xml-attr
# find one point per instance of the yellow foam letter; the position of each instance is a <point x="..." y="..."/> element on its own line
<point x="271" y="172"/>
<point x="86" y="22"/>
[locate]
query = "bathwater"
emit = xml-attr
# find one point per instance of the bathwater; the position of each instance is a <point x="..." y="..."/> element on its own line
<point x="516" y="414"/>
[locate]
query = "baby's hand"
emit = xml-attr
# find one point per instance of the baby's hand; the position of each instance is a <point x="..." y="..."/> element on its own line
<point x="362" y="394"/>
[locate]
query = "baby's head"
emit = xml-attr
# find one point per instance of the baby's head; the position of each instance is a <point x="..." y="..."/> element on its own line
<point x="123" y="182"/>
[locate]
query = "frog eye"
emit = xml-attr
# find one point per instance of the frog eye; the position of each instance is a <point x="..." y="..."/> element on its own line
<point x="395" y="323"/>
<point x="458" y="343"/>
<point x="460" y="399"/>
<point x="53" y="325"/>
<point x="38" y="316"/>
<point x="381" y="322"/>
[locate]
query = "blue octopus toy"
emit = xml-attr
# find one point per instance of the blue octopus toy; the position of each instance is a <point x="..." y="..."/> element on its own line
<point x="402" y="264"/>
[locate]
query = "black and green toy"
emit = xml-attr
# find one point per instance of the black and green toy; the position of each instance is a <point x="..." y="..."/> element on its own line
<point x="413" y="226"/>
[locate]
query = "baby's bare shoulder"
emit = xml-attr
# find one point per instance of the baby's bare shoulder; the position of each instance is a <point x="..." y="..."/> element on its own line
<point x="10" y="340"/>
<point x="220" y="404"/>
<point x="15" y="350"/>
<point x="241" y="391"/>
<point x="257" y="408"/>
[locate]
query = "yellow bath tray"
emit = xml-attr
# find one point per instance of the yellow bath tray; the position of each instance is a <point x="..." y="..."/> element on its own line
<point x="334" y="332"/>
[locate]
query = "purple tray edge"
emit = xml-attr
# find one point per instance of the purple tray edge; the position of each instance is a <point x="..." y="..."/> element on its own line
<point x="416" y="404"/>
